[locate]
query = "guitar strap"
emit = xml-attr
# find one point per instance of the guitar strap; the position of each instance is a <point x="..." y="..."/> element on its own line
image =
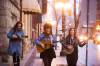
<point x="71" y="40"/>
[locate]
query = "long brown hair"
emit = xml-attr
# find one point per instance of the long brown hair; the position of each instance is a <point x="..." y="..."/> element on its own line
<point x="69" y="35"/>
<point x="16" y="25"/>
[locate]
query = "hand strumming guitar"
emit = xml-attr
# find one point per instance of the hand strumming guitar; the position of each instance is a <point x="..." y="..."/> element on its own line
<point x="42" y="45"/>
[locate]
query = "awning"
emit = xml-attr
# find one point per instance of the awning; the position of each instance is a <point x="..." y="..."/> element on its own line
<point x="31" y="6"/>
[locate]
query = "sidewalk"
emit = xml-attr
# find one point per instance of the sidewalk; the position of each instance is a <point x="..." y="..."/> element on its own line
<point x="58" y="61"/>
<point x="26" y="61"/>
<point x="9" y="63"/>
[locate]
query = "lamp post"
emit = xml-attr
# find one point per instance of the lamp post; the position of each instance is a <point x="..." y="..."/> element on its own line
<point x="87" y="32"/>
<point x="21" y="21"/>
<point x="21" y="10"/>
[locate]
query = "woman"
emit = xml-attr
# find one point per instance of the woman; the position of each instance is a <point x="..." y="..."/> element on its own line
<point x="72" y="42"/>
<point x="15" y="36"/>
<point x="48" y="54"/>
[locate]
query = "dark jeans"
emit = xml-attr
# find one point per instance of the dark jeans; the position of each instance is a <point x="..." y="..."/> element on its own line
<point x="47" y="61"/>
<point x="72" y="60"/>
<point x="16" y="60"/>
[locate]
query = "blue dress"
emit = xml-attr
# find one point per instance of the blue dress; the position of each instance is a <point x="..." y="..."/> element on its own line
<point x="49" y="53"/>
<point x="15" y="45"/>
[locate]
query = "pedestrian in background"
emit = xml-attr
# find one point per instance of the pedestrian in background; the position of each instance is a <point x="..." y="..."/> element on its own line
<point x="15" y="36"/>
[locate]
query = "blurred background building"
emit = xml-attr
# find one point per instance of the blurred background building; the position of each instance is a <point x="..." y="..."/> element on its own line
<point x="31" y="19"/>
<point x="9" y="15"/>
<point x="98" y="10"/>
<point x="29" y="12"/>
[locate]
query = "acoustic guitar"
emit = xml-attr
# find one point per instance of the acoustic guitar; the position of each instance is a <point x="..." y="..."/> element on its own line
<point x="69" y="49"/>
<point x="48" y="44"/>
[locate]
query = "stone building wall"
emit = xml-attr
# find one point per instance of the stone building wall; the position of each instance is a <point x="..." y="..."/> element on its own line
<point x="9" y="14"/>
<point x="98" y="10"/>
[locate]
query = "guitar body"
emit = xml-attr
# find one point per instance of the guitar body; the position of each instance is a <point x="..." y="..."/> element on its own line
<point x="47" y="45"/>
<point x="39" y="48"/>
<point x="69" y="49"/>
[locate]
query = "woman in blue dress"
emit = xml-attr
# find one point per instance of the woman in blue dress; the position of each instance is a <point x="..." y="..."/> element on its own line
<point x="15" y="36"/>
<point x="48" y="54"/>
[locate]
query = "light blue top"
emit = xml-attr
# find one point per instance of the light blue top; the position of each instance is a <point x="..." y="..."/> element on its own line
<point x="15" y="46"/>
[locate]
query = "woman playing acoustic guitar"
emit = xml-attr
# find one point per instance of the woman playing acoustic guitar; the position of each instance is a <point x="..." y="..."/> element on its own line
<point x="45" y="45"/>
<point x="70" y="44"/>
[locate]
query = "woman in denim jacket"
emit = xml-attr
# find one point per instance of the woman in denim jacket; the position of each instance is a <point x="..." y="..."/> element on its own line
<point x="15" y="36"/>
